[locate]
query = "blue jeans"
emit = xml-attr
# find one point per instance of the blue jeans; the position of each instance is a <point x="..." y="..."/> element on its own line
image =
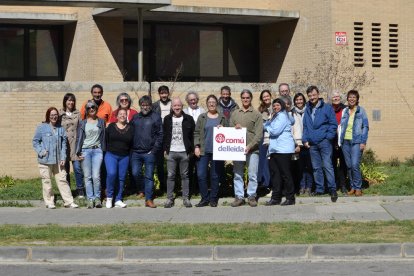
<point x="77" y="169"/>
<point x="138" y="160"/>
<point x="321" y="157"/>
<point x="202" y="171"/>
<point x="91" y="166"/>
<point x="252" y="160"/>
<point x="263" y="174"/>
<point x="352" y="155"/>
<point x="116" y="170"/>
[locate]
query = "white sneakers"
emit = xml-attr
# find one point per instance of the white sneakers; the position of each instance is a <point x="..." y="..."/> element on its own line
<point x="120" y="204"/>
<point x="51" y="206"/>
<point x="73" y="205"/>
<point x="108" y="203"/>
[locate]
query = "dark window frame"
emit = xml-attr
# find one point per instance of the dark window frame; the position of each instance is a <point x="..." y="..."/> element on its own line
<point x="151" y="75"/>
<point x="26" y="52"/>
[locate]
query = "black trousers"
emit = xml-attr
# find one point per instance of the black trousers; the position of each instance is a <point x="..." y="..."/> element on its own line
<point x="281" y="176"/>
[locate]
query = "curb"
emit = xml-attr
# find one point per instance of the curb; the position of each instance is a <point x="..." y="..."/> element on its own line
<point x="224" y="253"/>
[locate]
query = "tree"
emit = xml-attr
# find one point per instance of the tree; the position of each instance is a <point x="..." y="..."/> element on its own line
<point x="335" y="71"/>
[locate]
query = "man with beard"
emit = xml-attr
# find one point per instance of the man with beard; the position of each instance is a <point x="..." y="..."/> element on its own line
<point x="104" y="108"/>
<point x="146" y="145"/>
<point x="226" y="103"/>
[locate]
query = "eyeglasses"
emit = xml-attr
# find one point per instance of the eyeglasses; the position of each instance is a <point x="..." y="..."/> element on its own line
<point x="212" y="103"/>
<point x="91" y="108"/>
<point x="53" y="115"/>
<point x="123" y="100"/>
<point x="284" y="90"/>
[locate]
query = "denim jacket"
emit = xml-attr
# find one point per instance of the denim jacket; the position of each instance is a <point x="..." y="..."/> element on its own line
<point x="50" y="146"/>
<point x="80" y="138"/>
<point x="359" y="129"/>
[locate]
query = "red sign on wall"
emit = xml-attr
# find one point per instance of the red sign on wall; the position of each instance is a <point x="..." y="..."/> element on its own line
<point x="340" y="38"/>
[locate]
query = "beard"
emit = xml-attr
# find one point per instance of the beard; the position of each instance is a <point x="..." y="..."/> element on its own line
<point x="145" y="111"/>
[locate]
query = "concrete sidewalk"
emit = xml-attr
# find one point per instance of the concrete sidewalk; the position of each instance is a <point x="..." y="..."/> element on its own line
<point x="307" y="209"/>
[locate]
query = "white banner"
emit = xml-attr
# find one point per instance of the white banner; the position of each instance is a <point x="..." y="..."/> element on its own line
<point x="229" y="144"/>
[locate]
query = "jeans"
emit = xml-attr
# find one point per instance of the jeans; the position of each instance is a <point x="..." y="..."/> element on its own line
<point x="279" y="165"/>
<point x="182" y="159"/>
<point x="305" y="166"/>
<point x="91" y="166"/>
<point x="77" y="169"/>
<point x="252" y="160"/>
<point x="321" y="157"/>
<point x="352" y="155"/>
<point x="263" y="174"/>
<point x="138" y="160"/>
<point x="202" y="173"/>
<point x="116" y="170"/>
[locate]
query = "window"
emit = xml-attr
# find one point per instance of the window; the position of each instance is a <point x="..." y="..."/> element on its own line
<point x="193" y="52"/>
<point x="393" y="45"/>
<point x="30" y="52"/>
<point x="358" y="44"/>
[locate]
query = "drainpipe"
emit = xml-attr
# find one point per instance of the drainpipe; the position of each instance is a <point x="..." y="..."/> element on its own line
<point x="140" y="45"/>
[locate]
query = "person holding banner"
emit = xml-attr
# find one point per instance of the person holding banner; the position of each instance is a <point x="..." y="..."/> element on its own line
<point x="251" y="119"/>
<point x="281" y="148"/>
<point x="203" y="141"/>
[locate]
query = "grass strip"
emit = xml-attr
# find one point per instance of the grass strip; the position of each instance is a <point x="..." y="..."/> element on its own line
<point x="147" y="234"/>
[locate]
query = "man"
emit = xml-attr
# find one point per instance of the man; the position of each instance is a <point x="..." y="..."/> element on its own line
<point x="146" y="145"/>
<point x="194" y="110"/>
<point x="178" y="129"/>
<point x="163" y="108"/>
<point x="284" y="90"/>
<point x="226" y="103"/>
<point x="319" y="129"/>
<point x="104" y="108"/>
<point x="250" y="119"/>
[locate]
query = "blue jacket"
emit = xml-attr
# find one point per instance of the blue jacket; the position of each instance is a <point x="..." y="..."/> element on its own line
<point x="360" y="127"/>
<point x="324" y="125"/>
<point x="50" y="147"/>
<point x="80" y="138"/>
<point x="148" y="134"/>
<point x="280" y="133"/>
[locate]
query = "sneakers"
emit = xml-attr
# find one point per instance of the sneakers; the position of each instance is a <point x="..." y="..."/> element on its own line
<point x="187" y="203"/>
<point x="169" y="203"/>
<point x="252" y="201"/>
<point x="98" y="203"/>
<point x="51" y="206"/>
<point x="90" y="204"/>
<point x="120" y="204"/>
<point x="108" y="203"/>
<point x="238" y="202"/>
<point x="81" y="193"/>
<point x="72" y="206"/>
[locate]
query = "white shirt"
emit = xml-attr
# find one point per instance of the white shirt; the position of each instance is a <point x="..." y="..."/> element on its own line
<point x="194" y="112"/>
<point x="177" y="142"/>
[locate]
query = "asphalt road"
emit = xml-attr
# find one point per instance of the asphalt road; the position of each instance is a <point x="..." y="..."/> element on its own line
<point x="365" y="268"/>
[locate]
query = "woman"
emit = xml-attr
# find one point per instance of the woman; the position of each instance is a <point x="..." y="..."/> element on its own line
<point x="90" y="145"/>
<point x="281" y="148"/>
<point x="305" y="164"/>
<point x="353" y="136"/>
<point x="297" y="130"/>
<point x="203" y="141"/>
<point x="49" y="142"/>
<point x="123" y="100"/>
<point x="265" y="108"/>
<point x="338" y="160"/>
<point x="119" y="137"/>
<point x="69" y="119"/>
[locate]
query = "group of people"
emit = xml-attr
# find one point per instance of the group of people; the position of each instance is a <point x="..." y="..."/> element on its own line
<point x="292" y="146"/>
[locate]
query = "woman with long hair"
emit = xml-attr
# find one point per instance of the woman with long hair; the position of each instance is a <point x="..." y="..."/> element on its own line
<point x="265" y="108"/>
<point x="50" y="143"/>
<point x="90" y="145"/>
<point x="353" y="136"/>
<point x="69" y="119"/>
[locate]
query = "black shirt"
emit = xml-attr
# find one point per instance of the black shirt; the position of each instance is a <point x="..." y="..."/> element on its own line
<point x="119" y="141"/>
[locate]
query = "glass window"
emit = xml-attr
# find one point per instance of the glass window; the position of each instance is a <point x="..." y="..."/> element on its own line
<point x="11" y="52"/>
<point x="44" y="53"/>
<point x="242" y="46"/>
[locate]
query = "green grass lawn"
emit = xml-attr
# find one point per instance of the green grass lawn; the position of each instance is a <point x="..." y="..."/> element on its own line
<point x="400" y="181"/>
<point x="141" y="234"/>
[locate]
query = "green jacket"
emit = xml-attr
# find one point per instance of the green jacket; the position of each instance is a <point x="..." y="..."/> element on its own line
<point x="199" y="133"/>
<point x="253" y="122"/>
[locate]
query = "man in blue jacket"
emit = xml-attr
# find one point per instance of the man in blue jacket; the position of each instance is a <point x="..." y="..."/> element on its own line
<point x="319" y="128"/>
<point x="147" y="143"/>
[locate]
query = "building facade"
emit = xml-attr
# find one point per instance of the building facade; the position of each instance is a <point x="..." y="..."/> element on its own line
<point x="49" y="48"/>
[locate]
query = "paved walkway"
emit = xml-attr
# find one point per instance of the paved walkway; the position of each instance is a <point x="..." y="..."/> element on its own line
<point x="307" y="209"/>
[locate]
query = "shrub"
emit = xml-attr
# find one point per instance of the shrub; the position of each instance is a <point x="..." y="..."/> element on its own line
<point x="372" y="174"/>
<point x="6" y="182"/>
<point x="394" y="161"/>
<point x="409" y="161"/>
<point x="369" y="158"/>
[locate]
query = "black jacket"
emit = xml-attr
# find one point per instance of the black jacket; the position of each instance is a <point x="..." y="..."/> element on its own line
<point x="188" y="132"/>
<point x="147" y="133"/>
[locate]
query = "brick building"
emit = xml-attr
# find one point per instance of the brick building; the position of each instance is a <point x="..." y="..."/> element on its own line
<point x="48" y="48"/>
